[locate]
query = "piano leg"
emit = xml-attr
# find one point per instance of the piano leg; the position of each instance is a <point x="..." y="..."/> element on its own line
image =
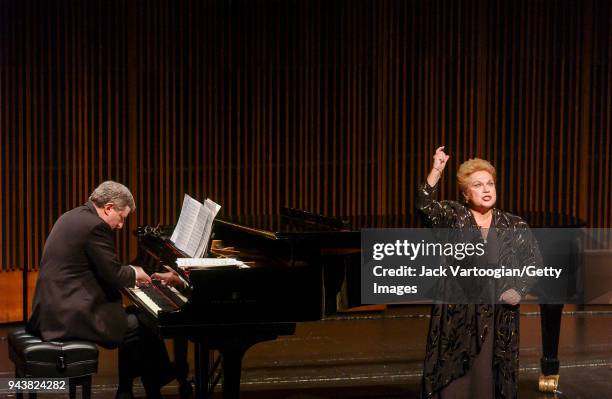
<point x="550" y="320"/>
<point x="232" y="343"/>
<point x="232" y="368"/>
<point x="182" y="367"/>
<point x="201" y="356"/>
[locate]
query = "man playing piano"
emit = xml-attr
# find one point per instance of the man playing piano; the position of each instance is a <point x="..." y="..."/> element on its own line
<point x="78" y="294"/>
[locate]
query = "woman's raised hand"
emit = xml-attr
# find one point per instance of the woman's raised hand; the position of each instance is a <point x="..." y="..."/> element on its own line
<point x="439" y="162"/>
<point x="439" y="159"/>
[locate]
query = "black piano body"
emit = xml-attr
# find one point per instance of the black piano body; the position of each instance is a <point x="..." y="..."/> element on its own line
<point x="229" y="309"/>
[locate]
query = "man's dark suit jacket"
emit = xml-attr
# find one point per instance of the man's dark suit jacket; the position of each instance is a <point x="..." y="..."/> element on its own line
<point x="77" y="294"/>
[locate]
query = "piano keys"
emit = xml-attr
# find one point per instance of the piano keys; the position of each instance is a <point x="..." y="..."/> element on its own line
<point x="158" y="297"/>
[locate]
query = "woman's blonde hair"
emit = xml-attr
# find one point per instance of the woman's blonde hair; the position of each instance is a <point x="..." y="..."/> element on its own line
<point x="470" y="166"/>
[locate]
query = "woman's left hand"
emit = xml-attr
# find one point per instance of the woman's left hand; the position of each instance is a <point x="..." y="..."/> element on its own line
<point x="511" y="297"/>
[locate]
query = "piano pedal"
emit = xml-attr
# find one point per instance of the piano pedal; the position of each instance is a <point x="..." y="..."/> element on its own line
<point x="548" y="383"/>
<point x="185" y="389"/>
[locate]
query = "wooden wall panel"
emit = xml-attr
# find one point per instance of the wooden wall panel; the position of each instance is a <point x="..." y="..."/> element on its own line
<point x="62" y="115"/>
<point x="330" y="106"/>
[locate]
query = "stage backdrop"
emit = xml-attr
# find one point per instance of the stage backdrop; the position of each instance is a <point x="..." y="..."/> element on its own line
<point x="334" y="107"/>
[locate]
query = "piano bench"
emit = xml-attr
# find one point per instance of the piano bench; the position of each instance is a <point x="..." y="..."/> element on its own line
<point x="34" y="358"/>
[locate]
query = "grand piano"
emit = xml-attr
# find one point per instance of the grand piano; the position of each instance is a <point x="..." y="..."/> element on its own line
<point x="302" y="266"/>
<point x="229" y="309"/>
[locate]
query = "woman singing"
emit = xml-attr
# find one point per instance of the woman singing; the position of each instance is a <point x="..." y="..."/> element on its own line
<point x="472" y="349"/>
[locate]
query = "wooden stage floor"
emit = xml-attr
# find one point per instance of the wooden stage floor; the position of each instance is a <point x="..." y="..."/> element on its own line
<point x="379" y="355"/>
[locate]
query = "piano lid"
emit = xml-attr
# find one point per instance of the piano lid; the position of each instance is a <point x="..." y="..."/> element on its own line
<point x="295" y="224"/>
<point x="544" y="219"/>
<point x="292" y="224"/>
<point x="288" y="224"/>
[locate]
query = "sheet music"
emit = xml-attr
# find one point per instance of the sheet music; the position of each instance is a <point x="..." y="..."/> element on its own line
<point x="212" y="209"/>
<point x="198" y="232"/>
<point x="209" y="263"/>
<point x="185" y="226"/>
<point x="206" y="262"/>
<point x="194" y="226"/>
